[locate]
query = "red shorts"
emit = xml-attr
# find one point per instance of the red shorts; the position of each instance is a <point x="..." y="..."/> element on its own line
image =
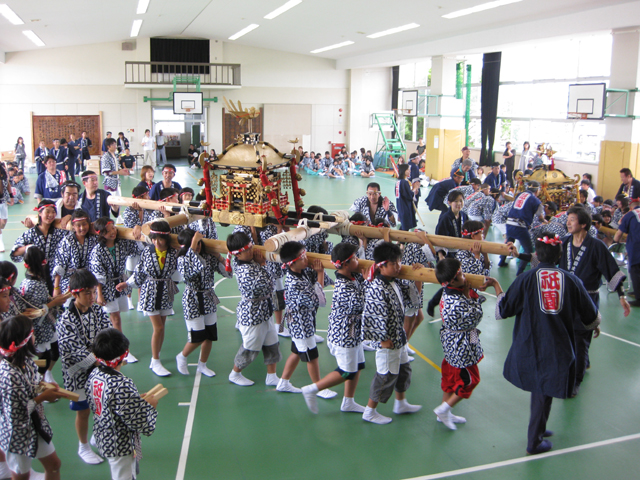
<point x="460" y="381"/>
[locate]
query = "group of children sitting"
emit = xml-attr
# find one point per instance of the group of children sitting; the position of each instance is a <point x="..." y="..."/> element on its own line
<point x="343" y="163"/>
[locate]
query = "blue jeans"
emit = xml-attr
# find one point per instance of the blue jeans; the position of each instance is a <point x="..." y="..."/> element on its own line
<point x="522" y="235"/>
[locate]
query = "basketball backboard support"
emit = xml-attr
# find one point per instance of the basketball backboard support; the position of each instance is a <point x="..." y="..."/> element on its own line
<point x="189" y="103"/>
<point x="586" y="101"/>
<point x="409" y="105"/>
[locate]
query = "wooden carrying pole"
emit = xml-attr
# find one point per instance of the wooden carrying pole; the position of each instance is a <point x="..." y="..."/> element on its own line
<point x="610" y="232"/>
<point x="427" y="275"/>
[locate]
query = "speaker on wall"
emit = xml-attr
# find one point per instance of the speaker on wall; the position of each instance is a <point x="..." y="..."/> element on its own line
<point x="129" y="45"/>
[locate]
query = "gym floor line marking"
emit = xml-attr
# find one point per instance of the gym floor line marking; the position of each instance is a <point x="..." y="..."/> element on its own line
<point x="227" y="309"/>
<point x="219" y="282"/>
<point x="531" y="458"/>
<point x="186" y="440"/>
<point x="621" y="339"/>
<point x="435" y="321"/>
<point x="184" y="404"/>
<point x="425" y="358"/>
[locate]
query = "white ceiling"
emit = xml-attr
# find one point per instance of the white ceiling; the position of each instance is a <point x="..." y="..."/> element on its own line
<point x="312" y="24"/>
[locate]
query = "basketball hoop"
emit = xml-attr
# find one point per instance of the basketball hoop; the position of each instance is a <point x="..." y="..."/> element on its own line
<point x="188" y="110"/>
<point x="578" y="116"/>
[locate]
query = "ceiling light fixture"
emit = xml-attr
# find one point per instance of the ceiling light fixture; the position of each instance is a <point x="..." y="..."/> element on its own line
<point x="244" y="31"/>
<point x="142" y="7"/>
<point x="135" y="28"/>
<point x="282" y="9"/>
<point x="391" y="31"/>
<point x="33" y="37"/>
<point x="10" y="15"/>
<point x="331" y="47"/>
<point x="479" y="8"/>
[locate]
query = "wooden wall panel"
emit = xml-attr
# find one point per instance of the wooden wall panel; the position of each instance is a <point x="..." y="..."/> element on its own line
<point x="50" y="127"/>
<point x="231" y="128"/>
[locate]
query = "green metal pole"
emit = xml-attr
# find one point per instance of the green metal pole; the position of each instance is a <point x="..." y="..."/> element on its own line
<point x="459" y="79"/>
<point x="467" y="111"/>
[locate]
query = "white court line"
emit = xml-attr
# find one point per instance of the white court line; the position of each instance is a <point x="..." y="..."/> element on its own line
<point x="184" y="404"/>
<point x="436" y="320"/>
<point x="184" y="453"/>
<point x="227" y="309"/>
<point x="621" y="339"/>
<point x="233" y="296"/>
<point x="323" y="331"/>
<point x="531" y="458"/>
<point x="219" y="282"/>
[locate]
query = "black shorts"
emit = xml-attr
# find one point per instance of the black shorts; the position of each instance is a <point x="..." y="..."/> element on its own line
<point x="210" y="332"/>
<point x="307" y="356"/>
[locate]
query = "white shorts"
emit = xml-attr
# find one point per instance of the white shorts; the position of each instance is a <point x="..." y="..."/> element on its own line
<point x="122" y="468"/>
<point x="476" y="218"/>
<point x="304" y="344"/>
<point x="347" y="358"/>
<point x="502" y="227"/>
<point x="388" y="360"/>
<point x="411" y="312"/>
<point x="279" y="284"/>
<point x="131" y="262"/>
<point x="21" y="464"/>
<point x="120" y="304"/>
<point x="198" y="324"/>
<point x="254" y="337"/>
<point x="4" y="211"/>
<point x="162" y="313"/>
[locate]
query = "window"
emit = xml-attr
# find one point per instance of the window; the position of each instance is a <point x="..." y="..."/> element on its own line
<point x="164" y="119"/>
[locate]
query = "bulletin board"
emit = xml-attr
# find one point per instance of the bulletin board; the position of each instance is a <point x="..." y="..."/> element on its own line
<point x="49" y="127"/>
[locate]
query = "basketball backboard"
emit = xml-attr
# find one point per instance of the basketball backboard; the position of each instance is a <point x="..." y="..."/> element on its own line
<point x="189" y="103"/>
<point x="586" y="101"/>
<point x="409" y="106"/>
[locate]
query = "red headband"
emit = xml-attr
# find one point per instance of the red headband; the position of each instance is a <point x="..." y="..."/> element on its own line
<point x="291" y="262"/>
<point x="5" y="288"/>
<point x="79" y="219"/>
<point x="466" y="233"/>
<point x="77" y="290"/>
<point x="11" y="276"/>
<point x="555" y="240"/>
<point x="159" y="233"/>
<point x="372" y="270"/>
<point x="39" y="209"/>
<point x="93" y="175"/>
<point x="227" y="262"/>
<point x="115" y="362"/>
<point x="185" y="193"/>
<point x="44" y="262"/>
<point x="106" y="225"/>
<point x="13" y="348"/>
<point x="338" y="263"/>
<point x="359" y="222"/>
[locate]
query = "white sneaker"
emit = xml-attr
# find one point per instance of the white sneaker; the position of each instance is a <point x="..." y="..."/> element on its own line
<point x="283" y="331"/>
<point x="89" y="456"/>
<point x="366" y="345"/>
<point x="131" y="359"/>
<point x="131" y="306"/>
<point x="402" y="408"/>
<point x="318" y="338"/>
<point x="445" y="418"/>
<point x="181" y="361"/>
<point x="351" y="406"/>
<point x="239" y="379"/>
<point x="272" y="380"/>
<point x="157" y="368"/>
<point x="309" y="395"/>
<point x="454" y="418"/>
<point x="204" y="370"/>
<point x="372" y="415"/>
<point x="411" y="359"/>
<point x="326" y="394"/>
<point x="410" y="351"/>
<point x="285" y="386"/>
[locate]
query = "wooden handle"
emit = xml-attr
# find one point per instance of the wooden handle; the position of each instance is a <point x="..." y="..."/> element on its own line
<point x="65" y="393"/>
<point x="146" y="204"/>
<point x="610" y="232"/>
<point x="155" y="389"/>
<point x="407" y="272"/>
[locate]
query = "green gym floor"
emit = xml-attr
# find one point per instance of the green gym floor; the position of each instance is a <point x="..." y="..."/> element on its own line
<point x="209" y="428"/>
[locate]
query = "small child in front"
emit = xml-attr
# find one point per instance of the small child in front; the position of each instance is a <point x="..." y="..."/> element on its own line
<point x="303" y="295"/>
<point x="461" y="311"/>
<point x="344" y="336"/>
<point x="76" y="329"/>
<point x="383" y="324"/>
<point x="120" y="413"/>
